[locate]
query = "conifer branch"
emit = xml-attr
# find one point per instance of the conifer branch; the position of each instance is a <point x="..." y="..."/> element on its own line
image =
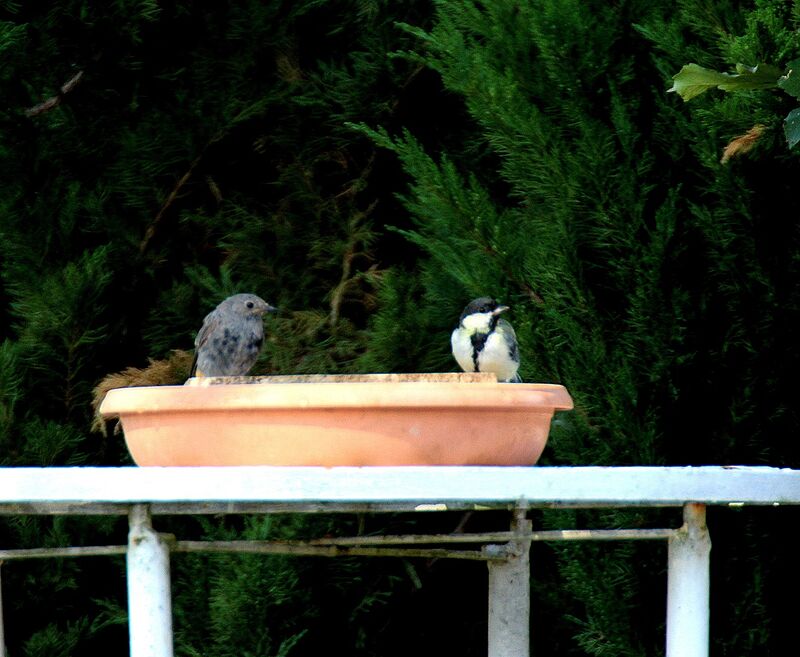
<point x="351" y="252"/>
<point x="526" y="287"/>
<point x="356" y="235"/>
<point x="55" y="101"/>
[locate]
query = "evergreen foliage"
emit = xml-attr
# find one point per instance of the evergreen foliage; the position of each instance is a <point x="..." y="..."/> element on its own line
<point x="369" y="167"/>
<point x="644" y="275"/>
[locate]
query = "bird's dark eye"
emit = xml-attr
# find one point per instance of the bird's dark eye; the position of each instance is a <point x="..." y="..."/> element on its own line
<point x="249" y="304"/>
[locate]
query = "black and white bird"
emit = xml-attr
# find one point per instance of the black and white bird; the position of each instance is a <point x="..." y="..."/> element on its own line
<point x="485" y="342"/>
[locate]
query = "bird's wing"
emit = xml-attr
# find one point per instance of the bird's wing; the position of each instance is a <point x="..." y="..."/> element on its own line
<point x="193" y="371"/>
<point x="210" y="324"/>
<point x="510" y="336"/>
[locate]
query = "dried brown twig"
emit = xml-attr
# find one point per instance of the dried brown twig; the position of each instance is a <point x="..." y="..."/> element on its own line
<point x="55" y="101"/>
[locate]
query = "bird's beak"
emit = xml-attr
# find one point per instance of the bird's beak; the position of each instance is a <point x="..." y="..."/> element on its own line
<point x="271" y="309"/>
<point x="499" y="309"/>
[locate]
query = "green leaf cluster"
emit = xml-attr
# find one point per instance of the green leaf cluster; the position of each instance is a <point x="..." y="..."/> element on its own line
<point x="770" y="29"/>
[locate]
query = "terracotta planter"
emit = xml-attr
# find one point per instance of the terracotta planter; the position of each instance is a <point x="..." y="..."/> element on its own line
<point x="356" y="421"/>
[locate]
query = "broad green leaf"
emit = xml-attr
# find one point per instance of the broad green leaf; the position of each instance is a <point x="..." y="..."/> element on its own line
<point x="791" y="127"/>
<point x="762" y="76"/>
<point x="692" y="79"/>
<point x="790" y="82"/>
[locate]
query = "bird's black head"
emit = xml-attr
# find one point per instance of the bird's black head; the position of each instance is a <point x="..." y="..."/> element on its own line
<point x="480" y="305"/>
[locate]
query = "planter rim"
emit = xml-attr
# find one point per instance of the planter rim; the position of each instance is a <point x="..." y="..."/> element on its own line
<point x="234" y="396"/>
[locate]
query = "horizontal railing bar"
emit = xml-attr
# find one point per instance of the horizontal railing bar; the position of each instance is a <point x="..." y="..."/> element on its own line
<point x="55" y="552"/>
<point x="248" y="547"/>
<point x="261" y="508"/>
<point x="500" y="537"/>
<point x="357" y="545"/>
<point x="602" y="534"/>
<point x="317" y="489"/>
<point x="267" y="547"/>
<point x="236" y="508"/>
<point x="64" y="509"/>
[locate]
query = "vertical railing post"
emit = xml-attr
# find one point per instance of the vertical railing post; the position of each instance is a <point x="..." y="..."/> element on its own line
<point x="510" y="595"/>
<point x="688" y="607"/>
<point x="149" y="594"/>
<point x="2" y="620"/>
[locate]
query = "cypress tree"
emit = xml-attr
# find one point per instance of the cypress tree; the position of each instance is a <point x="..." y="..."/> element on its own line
<point x="369" y="168"/>
<point x="646" y="275"/>
<point x="157" y="157"/>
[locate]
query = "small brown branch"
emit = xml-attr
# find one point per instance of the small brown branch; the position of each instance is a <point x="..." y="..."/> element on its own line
<point x="356" y="185"/>
<point x="171" y="198"/>
<point x="150" y="232"/>
<point x="55" y="101"/>
<point x="412" y="76"/>
<point x="351" y="252"/>
<point x="526" y="287"/>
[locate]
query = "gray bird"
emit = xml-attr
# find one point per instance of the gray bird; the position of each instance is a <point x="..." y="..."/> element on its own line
<point x="230" y="339"/>
<point x="485" y="342"/>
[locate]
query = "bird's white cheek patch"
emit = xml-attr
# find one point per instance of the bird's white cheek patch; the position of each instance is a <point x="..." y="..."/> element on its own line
<point x="478" y="322"/>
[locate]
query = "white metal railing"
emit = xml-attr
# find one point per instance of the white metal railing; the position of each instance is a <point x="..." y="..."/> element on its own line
<point x="141" y="493"/>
